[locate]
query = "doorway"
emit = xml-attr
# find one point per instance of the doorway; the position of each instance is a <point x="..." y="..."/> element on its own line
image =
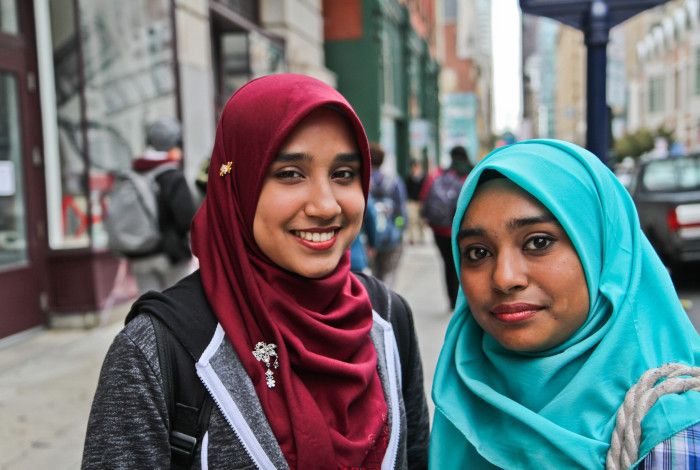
<point x="22" y="226"/>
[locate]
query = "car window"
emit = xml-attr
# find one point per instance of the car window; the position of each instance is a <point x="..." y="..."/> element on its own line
<point x="674" y="174"/>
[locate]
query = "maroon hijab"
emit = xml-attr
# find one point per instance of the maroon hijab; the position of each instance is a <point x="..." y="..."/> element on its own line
<point x="327" y="405"/>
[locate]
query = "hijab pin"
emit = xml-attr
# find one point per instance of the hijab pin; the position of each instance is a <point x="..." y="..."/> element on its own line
<point x="264" y="353"/>
<point x="225" y="169"/>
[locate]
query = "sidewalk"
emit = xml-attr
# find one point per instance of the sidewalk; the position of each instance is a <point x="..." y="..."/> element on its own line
<point x="46" y="386"/>
<point x="47" y="380"/>
<point x="420" y="282"/>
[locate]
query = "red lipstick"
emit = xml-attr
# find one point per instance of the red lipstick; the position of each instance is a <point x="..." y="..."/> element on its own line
<point x="515" y="312"/>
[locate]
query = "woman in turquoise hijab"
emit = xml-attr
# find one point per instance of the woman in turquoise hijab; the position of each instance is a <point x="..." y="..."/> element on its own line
<point x="563" y="306"/>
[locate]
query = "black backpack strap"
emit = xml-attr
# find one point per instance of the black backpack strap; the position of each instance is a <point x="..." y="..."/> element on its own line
<point x="392" y="308"/>
<point x="183" y="324"/>
<point x="189" y="404"/>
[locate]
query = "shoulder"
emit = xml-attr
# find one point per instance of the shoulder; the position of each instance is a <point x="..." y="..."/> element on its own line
<point x="391" y="306"/>
<point x="132" y="359"/>
<point x="184" y="310"/>
<point x="139" y="334"/>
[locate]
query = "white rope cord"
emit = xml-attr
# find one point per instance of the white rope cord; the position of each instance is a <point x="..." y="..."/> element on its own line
<point x="626" y="438"/>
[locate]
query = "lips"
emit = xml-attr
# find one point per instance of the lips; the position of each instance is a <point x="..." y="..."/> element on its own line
<point x="317" y="238"/>
<point x="515" y="312"/>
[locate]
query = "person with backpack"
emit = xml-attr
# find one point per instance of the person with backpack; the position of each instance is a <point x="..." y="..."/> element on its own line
<point x="273" y="354"/>
<point x="415" y="225"/>
<point x="150" y="210"/>
<point x="439" y="200"/>
<point x="389" y="203"/>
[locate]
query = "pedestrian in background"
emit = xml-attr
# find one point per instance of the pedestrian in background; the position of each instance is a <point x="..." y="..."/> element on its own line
<point x="563" y="306"/>
<point x="415" y="226"/>
<point x="389" y="201"/>
<point x="310" y="366"/>
<point x="172" y="259"/>
<point x="439" y="199"/>
<point x="359" y="256"/>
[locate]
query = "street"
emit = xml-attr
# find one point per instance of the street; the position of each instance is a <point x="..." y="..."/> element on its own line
<point x="688" y="288"/>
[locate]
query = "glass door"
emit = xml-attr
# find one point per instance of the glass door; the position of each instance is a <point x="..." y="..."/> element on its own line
<point x="22" y="207"/>
<point x="13" y="232"/>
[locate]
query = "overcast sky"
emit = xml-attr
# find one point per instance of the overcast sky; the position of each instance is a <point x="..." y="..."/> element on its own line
<point x="507" y="94"/>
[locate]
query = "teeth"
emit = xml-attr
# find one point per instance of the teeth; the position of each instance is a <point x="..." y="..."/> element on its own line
<point x="314" y="236"/>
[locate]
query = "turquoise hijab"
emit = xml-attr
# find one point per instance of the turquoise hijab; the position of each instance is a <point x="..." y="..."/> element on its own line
<point x="556" y="408"/>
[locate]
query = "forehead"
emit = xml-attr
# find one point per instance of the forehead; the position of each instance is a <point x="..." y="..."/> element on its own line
<point x="322" y="125"/>
<point x="500" y="199"/>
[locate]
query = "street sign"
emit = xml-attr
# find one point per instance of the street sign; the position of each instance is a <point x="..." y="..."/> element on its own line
<point x="575" y="12"/>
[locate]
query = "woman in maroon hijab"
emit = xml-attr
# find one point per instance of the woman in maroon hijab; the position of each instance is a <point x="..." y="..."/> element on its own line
<point x="299" y="356"/>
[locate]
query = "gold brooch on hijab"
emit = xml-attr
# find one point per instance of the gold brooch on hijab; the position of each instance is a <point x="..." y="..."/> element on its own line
<point x="225" y="169"/>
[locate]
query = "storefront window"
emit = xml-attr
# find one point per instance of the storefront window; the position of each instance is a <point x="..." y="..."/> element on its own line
<point x="248" y="9"/>
<point x="246" y="55"/>
<point x="129" y="72"/>
<point x="234" y="63"/>
<point x="9" y="23"/>
<point x="13" y="237"/>
<point x="266" y="55"/>
<point x="68" y="214"/>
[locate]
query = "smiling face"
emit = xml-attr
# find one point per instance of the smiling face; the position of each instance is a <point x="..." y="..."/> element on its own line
<point x="311" y="203"/>
<point x="520" y="273"/>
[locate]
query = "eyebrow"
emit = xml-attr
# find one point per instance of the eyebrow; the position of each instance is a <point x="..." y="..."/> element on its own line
<point x="525" y="221"/>
<point x="511" y="225"/>
<point x="293" y="157"/>
<point x="303" y="156"/>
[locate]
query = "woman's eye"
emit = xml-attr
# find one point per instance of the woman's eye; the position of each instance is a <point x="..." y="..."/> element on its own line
<point x="288" y="174"/>
<point x="538" y="243"/>
<point x="344" y="174"/>
<point x="474" y="253"/>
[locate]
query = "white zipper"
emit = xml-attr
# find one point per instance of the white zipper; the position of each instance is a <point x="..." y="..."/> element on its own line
<point x="393" y="370"/>
<point x="245" y="434"/>
<point x="227" y="406"/>
<point x="204" y="452"/>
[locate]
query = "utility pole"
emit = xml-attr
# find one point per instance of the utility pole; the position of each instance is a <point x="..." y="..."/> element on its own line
<point x="594" y="18"/>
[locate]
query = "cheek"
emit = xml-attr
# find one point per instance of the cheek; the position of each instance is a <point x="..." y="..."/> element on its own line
<point x="570" y="282"/>
<point x="272" y="214"/>
<point x="352" y="202"/>
<point x="474" y="285"/>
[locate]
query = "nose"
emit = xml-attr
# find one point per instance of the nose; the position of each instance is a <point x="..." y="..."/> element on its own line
<point x="322" y="202"/>
<point x="509" y="272"/>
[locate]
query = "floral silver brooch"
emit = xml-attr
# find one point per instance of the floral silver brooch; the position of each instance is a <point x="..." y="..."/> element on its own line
<point x="265" y="353"/>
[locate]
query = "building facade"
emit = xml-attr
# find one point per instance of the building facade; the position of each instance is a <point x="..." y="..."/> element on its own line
<point x="466" y="77"/>
<point x="663" y="66"/>
<point x="382" y="54"/>
<point x="80" y="80"/>
<point x="540" y="41"/>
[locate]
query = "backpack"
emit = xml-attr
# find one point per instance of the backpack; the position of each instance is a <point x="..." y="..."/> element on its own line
<point x="441" y="201"/>
<point x="132" y="212"/>
<point x="180" y="341"/>
<point x="388" y="224"/>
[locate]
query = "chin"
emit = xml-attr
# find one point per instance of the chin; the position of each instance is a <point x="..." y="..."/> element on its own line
<point x="316" y="274"/>
<point x="519" y="346"/>
<point x="316" y="271"/>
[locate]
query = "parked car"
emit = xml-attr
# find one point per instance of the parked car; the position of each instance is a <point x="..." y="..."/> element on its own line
<point x="667" y="195"/>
